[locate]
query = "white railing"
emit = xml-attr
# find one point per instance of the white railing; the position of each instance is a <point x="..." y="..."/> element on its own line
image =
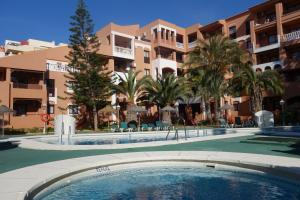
<point x="179" y="45"/>
<point x="269" y="64"/>
<point x="291" y="36"/>
<point x="123" y="50"/>
<point x="193" y="44"/>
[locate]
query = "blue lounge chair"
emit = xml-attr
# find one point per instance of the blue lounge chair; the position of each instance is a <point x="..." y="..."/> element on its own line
<point x="144" y="127"/>
<point x="152" y="127"/>
<point x="124" y="127"/>
<point x="132" y="127"/>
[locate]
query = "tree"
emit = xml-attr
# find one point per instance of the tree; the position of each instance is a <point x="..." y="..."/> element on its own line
<point x="131" y="87"/>
<point x="166" y="90"/>
<point x="254" y="84"/>
<point x="91" y="82"/>
<point x="214" y="58"/>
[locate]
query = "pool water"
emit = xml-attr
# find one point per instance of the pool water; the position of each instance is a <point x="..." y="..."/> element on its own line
<point x="175" y="183"/>
<point x="120" y="139"/>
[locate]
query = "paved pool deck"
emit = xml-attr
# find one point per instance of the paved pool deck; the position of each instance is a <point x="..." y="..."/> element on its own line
<point x="14" y="157"/>
<point x="25" y="182"/>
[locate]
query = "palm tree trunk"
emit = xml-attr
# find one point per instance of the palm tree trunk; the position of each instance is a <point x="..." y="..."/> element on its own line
<point x="203" y="107"/>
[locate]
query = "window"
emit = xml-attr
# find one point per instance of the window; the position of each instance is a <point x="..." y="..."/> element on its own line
<point x="272" y="39"/>
<point x="146" y="57"/>
<point x="247" y="27"/>
<point x="162" y="32"/>
<point x="50" y="109"/>
<point x="51" y="87"/>
<point x="232" y="32"/>
<point x="146" y="72"/>
<point x="236" y="106"/>
<point x="73" y="110"/>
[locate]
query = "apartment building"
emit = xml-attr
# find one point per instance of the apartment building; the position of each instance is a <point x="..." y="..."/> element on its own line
<point x="18" y="47"/>
<point x="34" y="82"/>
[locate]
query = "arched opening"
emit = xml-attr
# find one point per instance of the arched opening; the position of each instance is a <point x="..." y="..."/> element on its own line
<point x="277" y="67"/>
<point x="167" y="70"/>
<point x="267" y="68"/>
<point x="258" y="70"/>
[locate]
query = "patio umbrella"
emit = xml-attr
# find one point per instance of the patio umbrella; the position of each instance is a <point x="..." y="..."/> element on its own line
<point x="3" y="110"/>
<point x="168" y="109"/>
<point x="137" y="109"/>
<point x="108" y="109"/>
<point x="227" y="107"/>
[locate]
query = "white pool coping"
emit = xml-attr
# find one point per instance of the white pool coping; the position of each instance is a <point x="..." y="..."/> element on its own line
<point x="15" y="184"/>
<point x="30" y="143"/>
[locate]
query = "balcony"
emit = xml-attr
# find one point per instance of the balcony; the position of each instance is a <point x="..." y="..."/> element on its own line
<point x="179" y="45"/>
<point x="291" y="36"/>
<point x="162" y="64"/>
<point x="123" y="52"/>
<point x="123" y="45"/>
<point x="268" y="66"/>
<point x="193" y="44"/>
<point x="27" y="86"/>
<point x="20" y="90"/>
<point x="267" y="47"/>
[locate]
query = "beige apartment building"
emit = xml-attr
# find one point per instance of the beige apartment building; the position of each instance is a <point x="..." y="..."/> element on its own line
<point x="33" y="82"/>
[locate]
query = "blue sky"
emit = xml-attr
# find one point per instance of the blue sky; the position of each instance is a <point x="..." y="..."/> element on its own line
<point x="49" y="19"/>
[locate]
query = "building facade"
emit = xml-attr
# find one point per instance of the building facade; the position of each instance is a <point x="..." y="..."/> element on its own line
<point x="34" y="82"/>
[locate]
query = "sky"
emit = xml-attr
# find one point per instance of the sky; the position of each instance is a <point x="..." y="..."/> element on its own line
<point x="49" y="19"/>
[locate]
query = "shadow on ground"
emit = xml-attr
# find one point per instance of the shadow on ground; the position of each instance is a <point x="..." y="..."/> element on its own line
<point x="8" y="145"/>
<point x="295" y="149"/>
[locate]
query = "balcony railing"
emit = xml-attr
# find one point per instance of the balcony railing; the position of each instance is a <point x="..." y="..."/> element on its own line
<point x="193" y="44"/>
<point x="265" y="66"/>
<point x="123" y="50"/>
<point x="27" y="86"/>
<point x="179" y="45"/>
<point x="291" y="36"/>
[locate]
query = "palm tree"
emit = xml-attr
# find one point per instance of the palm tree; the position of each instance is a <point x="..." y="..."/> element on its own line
<point x="129" y="86"/>
<point x="166" y="90"/>
<point x="254" y="84"/>
<point x="214" y="58"/>
<point x="132" y="88"/>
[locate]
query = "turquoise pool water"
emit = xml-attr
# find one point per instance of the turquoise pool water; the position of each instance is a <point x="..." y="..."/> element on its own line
<point x="174" y="183"/>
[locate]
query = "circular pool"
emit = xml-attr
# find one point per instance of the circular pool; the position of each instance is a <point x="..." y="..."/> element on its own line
<point x="171" y="181"/>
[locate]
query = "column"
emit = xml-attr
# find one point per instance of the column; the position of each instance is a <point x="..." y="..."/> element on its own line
<point x="279" y="13"/>
<point x="174" y="55"/>
<point x="253" y="40"/>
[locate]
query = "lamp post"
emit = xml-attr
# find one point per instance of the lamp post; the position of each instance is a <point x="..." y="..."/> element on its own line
<point x="118" y="114"/>
<point x="282" y="111"/>
<point x="177" y="108"/>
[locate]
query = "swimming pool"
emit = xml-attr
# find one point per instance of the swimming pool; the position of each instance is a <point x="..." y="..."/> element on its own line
<point x="172" y="182"/>
<point x="125" y="138"/>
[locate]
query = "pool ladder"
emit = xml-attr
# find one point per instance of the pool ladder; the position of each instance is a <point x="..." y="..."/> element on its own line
<point x="176" y="130"/>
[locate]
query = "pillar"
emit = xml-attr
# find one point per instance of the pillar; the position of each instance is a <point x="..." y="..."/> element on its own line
<point x="253" y="41"/>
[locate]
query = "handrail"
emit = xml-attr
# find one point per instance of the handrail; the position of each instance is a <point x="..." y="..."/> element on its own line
<point x="176" y="129"/>
<point x="291" y="36"/>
